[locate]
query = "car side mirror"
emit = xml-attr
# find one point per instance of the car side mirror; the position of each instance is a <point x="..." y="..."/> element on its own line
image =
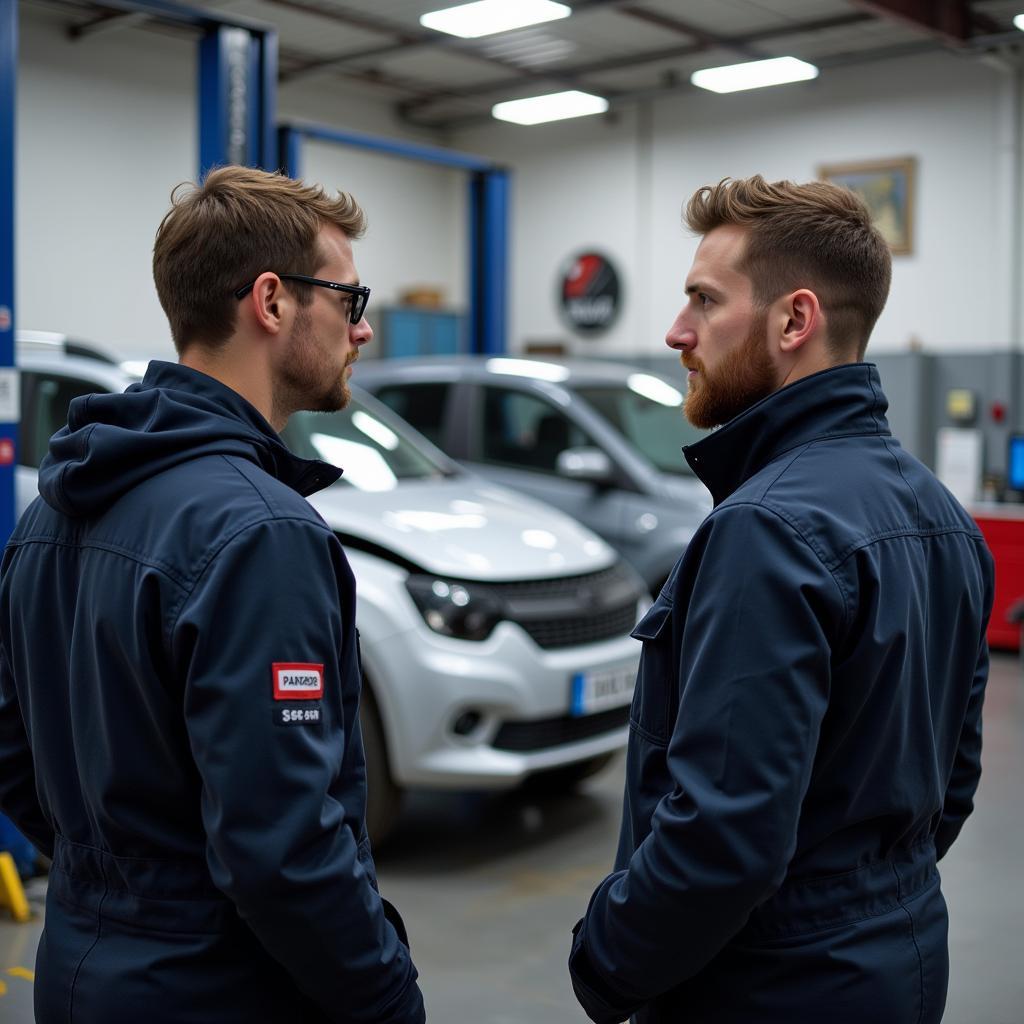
<point x="586" y="464"/>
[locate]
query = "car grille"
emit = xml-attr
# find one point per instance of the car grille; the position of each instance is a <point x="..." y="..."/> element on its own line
<point x="573" y="610"/>
<point x="552" y="732"/>
<point x="584" y="629"/>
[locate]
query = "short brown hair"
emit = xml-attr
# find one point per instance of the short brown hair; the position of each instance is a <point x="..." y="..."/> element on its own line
<point x="223" y="233"/>
<point x="816" y="236"/>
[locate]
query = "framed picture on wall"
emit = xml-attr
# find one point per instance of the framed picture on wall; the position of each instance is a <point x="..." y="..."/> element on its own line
<point x="887" y="186"/>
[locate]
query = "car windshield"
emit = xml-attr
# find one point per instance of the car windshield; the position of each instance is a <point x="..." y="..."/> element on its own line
<point x="648" y="412"/>
<point x="375" y="449"/>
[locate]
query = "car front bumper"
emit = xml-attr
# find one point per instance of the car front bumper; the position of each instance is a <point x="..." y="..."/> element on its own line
<point x="518" y="697"/>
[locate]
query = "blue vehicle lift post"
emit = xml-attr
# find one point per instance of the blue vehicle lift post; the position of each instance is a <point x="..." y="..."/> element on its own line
<point x="9" y="388"/>
<point x="488" y="198"/>
<point x="13" y="846"/>
<point x="237" y="113"/>
<point x="237" y="98"/>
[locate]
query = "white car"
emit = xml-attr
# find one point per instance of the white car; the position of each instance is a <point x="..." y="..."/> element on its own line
<point x="494" y="629"/>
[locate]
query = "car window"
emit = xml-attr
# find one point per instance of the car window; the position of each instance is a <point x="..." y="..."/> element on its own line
<point x="422" y="405"/>
<point x="368" y="444"/>
<point x="649" y="416"/>
<point x="45" y="401"/>
<point x="520" y="429"/>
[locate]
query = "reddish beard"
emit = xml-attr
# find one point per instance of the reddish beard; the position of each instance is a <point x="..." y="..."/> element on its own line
<point x="744" y="376"/>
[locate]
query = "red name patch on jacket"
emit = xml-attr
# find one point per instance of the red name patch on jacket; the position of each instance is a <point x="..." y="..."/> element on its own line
<point x="296" y="680"/>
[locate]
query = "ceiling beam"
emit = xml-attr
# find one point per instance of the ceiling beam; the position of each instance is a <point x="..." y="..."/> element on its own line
<point x="405" y="88"/>
<point x="107" y="23"/>
<point x="353" y="19"/>
<point x="450" y="124"/>
<point x="742" y="43"/>
<point x="404" y="39"/>
<point x="707" y="39"/>
<point x="950" y="20"/>
<point x="589" y="5"/>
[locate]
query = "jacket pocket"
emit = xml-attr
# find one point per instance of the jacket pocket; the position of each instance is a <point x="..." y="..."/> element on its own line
<point x="653" y="622"/>
<point x="655" y="681"/>
<point x="394" y="918"/>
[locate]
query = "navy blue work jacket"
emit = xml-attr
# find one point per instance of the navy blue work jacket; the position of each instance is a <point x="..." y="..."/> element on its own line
<point x="179" y="686"/>
<point x="805" y="735"/>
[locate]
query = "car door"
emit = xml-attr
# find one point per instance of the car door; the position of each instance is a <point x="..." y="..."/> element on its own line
<point x="515" y="437"/>
<point x="423" y="404"/>
<point x="45" y="397"/>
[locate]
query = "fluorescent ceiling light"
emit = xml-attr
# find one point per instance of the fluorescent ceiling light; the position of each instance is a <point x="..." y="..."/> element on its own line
<point x="486" y="17"/>
<point x="556" y="106"/>
<point x="1018" y="22"/>
<point x="755" y="74"/>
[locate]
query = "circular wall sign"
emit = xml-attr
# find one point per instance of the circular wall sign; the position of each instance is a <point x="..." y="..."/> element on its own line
<point x="590" y="293"/>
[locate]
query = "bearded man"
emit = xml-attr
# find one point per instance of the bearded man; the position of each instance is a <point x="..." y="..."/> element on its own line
<point x="806" y="731"/>
<point x="167" y="605"/>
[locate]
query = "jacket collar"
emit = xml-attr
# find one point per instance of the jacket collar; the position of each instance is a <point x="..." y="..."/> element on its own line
<point x="842" y="401"/>
<point x="303" y="475"/>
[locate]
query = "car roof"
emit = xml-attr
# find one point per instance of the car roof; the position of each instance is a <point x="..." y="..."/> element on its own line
<point x="571" y="371"/>
<point x="51" y="346"/>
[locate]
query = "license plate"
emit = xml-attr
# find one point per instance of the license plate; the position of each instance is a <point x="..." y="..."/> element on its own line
<point x="597" y="691"/>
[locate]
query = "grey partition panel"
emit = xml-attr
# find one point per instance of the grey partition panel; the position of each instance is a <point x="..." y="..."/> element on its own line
<point x="908" y="383"/>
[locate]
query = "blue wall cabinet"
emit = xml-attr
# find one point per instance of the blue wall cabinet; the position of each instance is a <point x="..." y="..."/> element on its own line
<point x="404" y="332"/>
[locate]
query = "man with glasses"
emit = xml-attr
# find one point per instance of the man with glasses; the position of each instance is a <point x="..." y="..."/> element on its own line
<point x="179" y="669"/>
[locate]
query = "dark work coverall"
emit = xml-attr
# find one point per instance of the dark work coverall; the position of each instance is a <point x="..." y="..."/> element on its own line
<point x="805" y="736"/>
<point x="179" y="683"/>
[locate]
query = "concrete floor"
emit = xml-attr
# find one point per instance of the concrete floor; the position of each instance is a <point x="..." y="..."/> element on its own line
<point x="491" y="886"/>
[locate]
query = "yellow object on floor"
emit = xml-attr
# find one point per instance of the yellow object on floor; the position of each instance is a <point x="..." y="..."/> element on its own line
<point x="12" y="895"/>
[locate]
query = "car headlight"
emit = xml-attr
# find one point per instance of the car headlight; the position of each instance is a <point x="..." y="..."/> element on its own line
<point x="466" y="612"/>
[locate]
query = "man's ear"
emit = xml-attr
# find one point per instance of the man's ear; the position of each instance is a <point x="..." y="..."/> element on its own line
<point x="268" y="302"/>
<point x="800" y="317"/>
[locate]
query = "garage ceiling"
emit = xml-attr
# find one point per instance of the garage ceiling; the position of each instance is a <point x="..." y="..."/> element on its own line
<point x="623" y="50"/>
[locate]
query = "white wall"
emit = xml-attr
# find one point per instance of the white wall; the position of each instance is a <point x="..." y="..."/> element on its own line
<point x="417" y="212"/>
<point x="620" y="186"/>
<point x="108" y="125"/>
<point x="417" y="220"/>
<point x="942" y="110"/>
<point x="106" y="128"/>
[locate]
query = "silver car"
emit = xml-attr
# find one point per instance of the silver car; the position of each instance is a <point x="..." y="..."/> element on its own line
<point x="494" y="630"/>
<point x="600" y="441"/>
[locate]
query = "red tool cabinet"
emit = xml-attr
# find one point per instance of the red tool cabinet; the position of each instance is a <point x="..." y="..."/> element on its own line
<point x="1003" y="528"/>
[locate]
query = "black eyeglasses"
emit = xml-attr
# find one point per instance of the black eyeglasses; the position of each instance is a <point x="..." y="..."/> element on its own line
<point x="360" y="294"/>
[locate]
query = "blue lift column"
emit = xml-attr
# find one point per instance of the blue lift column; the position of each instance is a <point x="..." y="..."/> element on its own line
<point x="488" y="307"/>
<point x="9" y="389"/>
<point x="237" y="111"/>
<point x="237" y="97"/>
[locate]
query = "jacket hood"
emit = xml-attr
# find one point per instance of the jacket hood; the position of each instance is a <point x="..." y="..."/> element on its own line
<point x="113" y="442"/>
